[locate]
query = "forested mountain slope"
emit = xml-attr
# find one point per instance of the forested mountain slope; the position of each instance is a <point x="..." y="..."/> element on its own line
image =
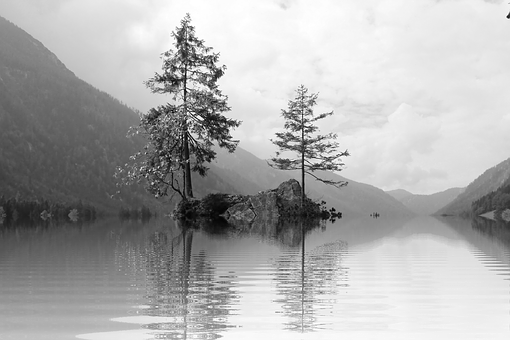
<point x="491" y="180"/>
<point x="497" y="201"/>
<point x="60" y="138"/>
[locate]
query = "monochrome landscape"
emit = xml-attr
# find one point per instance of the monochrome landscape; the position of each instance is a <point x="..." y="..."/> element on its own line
<point x="172" y="224"/>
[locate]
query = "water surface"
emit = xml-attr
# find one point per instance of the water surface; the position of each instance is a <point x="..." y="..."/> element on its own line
<point x="360" y="278"/>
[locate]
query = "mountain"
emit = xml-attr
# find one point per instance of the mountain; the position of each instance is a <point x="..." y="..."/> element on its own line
<point x="399" y="194"/>
<point x="249" y="174"/>
<point x="61" y="140"/>
<point x="491" y="180"/>
<point x="425" y="204"/>
<point x="496" y="203"/>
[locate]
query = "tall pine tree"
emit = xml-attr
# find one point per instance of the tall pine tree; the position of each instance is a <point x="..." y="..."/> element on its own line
<point x="181" y="134"/>
<point x="313" y="151"/>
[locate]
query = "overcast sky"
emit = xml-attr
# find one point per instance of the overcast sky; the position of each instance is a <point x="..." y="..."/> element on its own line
<point x="420" y="88"/>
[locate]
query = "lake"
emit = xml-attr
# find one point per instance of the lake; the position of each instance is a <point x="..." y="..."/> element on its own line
<point x="365" y="278"/>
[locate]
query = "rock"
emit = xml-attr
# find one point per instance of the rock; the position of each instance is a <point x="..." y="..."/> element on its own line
<point x="265" y="205"/>
<point x="290" y="192"/>
<point x="240" y="212"/>
<point x="258" y="211"/>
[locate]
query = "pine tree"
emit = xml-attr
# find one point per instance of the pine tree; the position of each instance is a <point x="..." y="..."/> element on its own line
<point x="314" y="152"/>
<point x="181" y="134"/>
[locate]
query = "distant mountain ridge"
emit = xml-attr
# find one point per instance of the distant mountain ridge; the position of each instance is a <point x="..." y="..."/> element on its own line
<point x="61" y="140"/>
<point x="426" y="204"/>
<point x="399" y="194"/>
<point x="491" y="180"/>
<point x="249" y="174"/>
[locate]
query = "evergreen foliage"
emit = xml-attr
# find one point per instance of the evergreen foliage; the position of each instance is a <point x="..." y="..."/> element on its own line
<point x="60" y="138"/>
<point x="314" y="152"/>
<point x="181" y="134"/>
<point x="498" y="200"/>
<point x="492" y="179"/>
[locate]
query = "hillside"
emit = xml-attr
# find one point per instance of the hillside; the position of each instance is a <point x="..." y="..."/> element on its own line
<point x="494" y="203"/>
<point x="426" y="204"/>
<point x="60" y="138"/>
<point x="399" y="194"/>
<point x="491" y="180"/>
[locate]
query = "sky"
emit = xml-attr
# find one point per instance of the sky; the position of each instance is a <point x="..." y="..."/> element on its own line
<point x="420" y="89"/>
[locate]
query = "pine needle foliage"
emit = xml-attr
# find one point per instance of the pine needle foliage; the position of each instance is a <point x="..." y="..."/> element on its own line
<point x="182" y="133"/>
<point x="313" y="152"/>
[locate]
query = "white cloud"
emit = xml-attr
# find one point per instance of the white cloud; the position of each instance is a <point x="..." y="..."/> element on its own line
<point x="386" y="155"/>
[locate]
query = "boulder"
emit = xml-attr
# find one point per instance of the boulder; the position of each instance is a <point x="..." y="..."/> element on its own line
<point x="240" y="212"/>
<point x="265" y="205"/>
<point x="289" y="192"/>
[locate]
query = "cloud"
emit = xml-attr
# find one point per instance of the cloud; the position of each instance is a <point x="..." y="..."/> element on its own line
<point x="386" y="155"/>
<point x="446" y="60"/>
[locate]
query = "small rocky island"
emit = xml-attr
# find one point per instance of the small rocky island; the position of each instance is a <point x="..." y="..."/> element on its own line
<point x="267" y="206"/>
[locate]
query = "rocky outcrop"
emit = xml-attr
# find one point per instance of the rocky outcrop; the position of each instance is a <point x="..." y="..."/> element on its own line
<point x="289" y="193"/>
<point x="263" y="205"/>
<point x="268" y="206"/>
<point x="262" y="209"/>
<point x="241" y="212"/>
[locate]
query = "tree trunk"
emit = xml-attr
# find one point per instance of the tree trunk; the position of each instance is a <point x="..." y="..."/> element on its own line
<point x="188" y="187"/>
<point x="302" y="154"/>
<point x="187" y="168"/>
<point x="302" y="178"/>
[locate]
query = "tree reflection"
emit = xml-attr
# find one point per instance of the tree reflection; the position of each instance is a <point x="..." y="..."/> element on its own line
<point x="307" y="281"/>
<point x="494" y="228"/>
<point x="185" y="287"/>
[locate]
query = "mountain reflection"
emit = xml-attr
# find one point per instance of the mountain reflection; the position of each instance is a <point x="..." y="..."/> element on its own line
<point x="495" y="229"/>
<point x="185" y="288"/>
<point x="308" y="280"/>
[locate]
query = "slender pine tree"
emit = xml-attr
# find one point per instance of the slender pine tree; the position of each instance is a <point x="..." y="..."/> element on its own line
<point x="181" y="134"/>
<point x="313" y="151"/>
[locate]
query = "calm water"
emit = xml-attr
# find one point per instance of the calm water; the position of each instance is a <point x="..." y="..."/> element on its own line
<point x="361" y="279"/>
